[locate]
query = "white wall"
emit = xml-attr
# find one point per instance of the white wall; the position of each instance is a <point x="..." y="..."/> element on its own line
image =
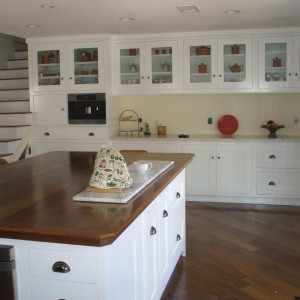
<point x="188" y="113"/>
<point x="6" y="49"/>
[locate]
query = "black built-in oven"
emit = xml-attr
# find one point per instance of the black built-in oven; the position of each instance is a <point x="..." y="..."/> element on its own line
<point x="87" y="108"/>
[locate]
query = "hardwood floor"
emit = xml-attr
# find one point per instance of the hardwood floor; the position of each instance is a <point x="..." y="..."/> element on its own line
<point x="239" y="252"/>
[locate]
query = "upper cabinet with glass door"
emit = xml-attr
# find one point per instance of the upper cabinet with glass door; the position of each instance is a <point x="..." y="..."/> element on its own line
<point x="218" y="63"/>
<point x="86" y="66"/>
<point x="52" y="71"/>
<point x="275" y="62"/>
<point x="49" y="71"/>
<point x="145" y="66"/>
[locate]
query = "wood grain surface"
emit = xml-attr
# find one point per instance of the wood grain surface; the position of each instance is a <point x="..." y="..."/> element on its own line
<point x="36" y="199"/>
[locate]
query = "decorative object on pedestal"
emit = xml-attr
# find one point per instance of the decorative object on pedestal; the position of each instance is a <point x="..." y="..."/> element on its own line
<point x="272" y="127"/>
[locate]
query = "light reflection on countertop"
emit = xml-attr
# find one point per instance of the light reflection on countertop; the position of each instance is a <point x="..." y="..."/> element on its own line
<point x="208" y="137"/>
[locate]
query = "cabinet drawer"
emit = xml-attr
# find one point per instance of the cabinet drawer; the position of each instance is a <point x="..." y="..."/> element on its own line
<point x="82" y="265"/>
<point x="70" y="133"/>
<point x="51" y="293"/>
<point x="282" y="184"/>
<point x="177" y="191"/>
<point x="278" y="156"/>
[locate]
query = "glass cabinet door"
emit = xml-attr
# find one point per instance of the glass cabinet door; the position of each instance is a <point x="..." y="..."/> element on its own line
<point x="275" y="59"/>
<point x="130" y="62"/>
<point x="85" y="65"/>
<point x="161" y="66"/>
<point x="200" y="64"/>
<point x="48" y="73"/>
<point x="162" y="62"/>
<point x="235" y="61"/>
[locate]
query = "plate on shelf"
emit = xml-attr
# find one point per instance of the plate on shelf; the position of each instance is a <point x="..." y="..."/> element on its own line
<point x="228" y="124"/>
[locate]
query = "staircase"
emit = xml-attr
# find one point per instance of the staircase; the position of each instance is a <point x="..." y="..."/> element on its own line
<point x="15" y="115"/>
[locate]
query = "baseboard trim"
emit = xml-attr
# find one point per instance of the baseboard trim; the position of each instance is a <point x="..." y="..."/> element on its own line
<point x="242" y="199"/>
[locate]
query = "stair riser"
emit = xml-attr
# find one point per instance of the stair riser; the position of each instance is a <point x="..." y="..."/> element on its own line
<point x="13" y="132"/>
<point x="21" y="55"/>
<point x="14" y="106"/>
<point x="18" y="119"/>
<point x="17" y="64"/>
<point x="14" y="95"/>
<point x="14" y="73"/>
<point x="8" y="147"/>
<point x="14" y="84"/>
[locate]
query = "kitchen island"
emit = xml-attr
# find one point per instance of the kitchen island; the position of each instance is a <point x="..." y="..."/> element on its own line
<point x="73" y="250"/>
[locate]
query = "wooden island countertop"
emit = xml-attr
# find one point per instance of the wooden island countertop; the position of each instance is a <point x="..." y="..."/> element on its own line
<point x="36" y="199"/>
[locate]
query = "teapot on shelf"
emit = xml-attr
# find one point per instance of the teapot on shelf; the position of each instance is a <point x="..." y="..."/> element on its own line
<point x="133" y="68"/>
<point x="166" y="67"/>
<point x="236" y="68"/>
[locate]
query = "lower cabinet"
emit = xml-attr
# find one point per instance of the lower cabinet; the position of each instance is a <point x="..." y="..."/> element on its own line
<point x="278" y="170"/>
<point x="143" y="144"/>
<point x="219" y="169"/>
<point x="137" y="266"/>
<point x="68" y="138"/>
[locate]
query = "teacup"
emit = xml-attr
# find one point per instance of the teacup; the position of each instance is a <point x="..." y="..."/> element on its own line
<point x="142" y="167"/>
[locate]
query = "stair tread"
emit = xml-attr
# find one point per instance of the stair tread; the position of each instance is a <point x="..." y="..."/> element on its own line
<point x="14" y="78"/>
<point x="7" y="139"/>
<point x="9" y="69"/>
<point x="15" y="113"/>
<point x="5" y="154"/>
<point x="14" y="89"/>
<point x="18" y="100"/>
<point x="14" y="126"/>
<point x="17" y="59"/>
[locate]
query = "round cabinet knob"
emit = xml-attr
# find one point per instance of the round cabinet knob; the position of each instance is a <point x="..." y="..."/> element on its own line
<point x="178" y="237"/>
<point x="178" y="195"/>
<point x="46" y="134"/>
<point x="219" y="157"/>
<point x="153" y="230"/>
<point x="61" y="78"/>
<point x="214" y="75"/>
<point x="272" y="156"/>
<point x="271" y="183"/>
<point x="71" y="78"/>
<point x="212" y="157"/>
<point x="220" y="75"/>
<point x="165" y="213"/>
<point x="91" y="134"/>
<point x="296" y="74"/>
<point x="62" y="109"/>
<point x="61" y="267"/>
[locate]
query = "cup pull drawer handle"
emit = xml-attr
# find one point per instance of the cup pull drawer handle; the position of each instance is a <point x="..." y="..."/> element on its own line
<point x="61" y="267"/>
<point x="165" y="213"/>
<point x="178" y="237"/>
<point x="272" y="183"/>
<point x="46" y="134"/>
<point x="178" y="195"/>
<point x="153" y="230"/>
<point x="91" y="134"/>
<point x="272" y="156"/>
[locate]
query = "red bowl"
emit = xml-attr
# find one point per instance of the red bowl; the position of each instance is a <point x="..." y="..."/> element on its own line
<point x="228" y="124"/>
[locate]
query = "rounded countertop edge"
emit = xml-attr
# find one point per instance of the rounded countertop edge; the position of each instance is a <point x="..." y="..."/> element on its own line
<point x="207" y="138"/>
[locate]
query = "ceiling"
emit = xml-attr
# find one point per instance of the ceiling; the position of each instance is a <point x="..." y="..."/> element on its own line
<point x="73" y="17"/>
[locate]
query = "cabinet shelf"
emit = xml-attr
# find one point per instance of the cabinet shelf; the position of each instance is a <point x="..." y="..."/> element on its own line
<point x="162" y="73"/>
<point x="86" y="63"/>
<point x="49" y="65"/>
<point x="275" y="52"/>
<point x="241" y="55"/>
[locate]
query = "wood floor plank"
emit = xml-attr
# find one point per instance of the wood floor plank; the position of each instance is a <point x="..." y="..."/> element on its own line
<point x="238" y="252"/>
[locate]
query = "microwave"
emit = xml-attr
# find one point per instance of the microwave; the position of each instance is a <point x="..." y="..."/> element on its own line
<point x="87" y="108"/>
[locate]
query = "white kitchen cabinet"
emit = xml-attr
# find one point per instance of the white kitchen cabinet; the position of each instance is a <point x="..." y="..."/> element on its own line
<point x="152" y="232"/>
<point x="50" y="109"/>
<point x="296" y="65"/>
<point x="144" y="144"/>
<point x="218" y="63"/>
<point x="146" y="66"/>
<point x="68" y="66"/>
<point x="276" y="62"/>
<point x="68" y="138"/>
<point x="219" y="169"/>
<point x="278" y="170"/>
